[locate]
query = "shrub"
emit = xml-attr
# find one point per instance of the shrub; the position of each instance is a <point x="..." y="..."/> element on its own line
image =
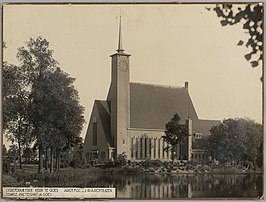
<point x="75" y="163"/>
<point x="153" y="163"/>
<point x="121" y="159"/>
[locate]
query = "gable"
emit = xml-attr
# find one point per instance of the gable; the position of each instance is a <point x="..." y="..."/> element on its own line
<point x="104" y="115"/>
<point x="101" y="114"/>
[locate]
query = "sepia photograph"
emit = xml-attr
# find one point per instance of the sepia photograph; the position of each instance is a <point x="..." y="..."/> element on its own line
<point x="132" y="101"/>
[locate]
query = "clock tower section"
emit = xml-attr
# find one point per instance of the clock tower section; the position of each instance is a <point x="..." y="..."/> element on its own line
<point x="119" y="95"/>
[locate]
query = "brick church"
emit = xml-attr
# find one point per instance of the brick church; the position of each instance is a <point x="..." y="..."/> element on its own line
<point x="132" y="119"/>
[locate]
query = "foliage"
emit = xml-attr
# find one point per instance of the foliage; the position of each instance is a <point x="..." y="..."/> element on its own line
<point x="125" y="170"/>
<point x="65" y="159"/>
<point x="75" y="163"/>
<point x="16" y="103"/>
<point x="73" y="158"/>
<point x="174" y="134"/>
<point x="10" y="159"/>
<point x="4" y="150"/>
<point x="251" y="17"/>
<point x="40" y="101"/>
<point x="121" y="159"/>
<point x="12" y="152"/>
<point x="56" y="113"/>
<point x="236" y="140"/>
<point x="30" y="154"/>
<point x="153" y="163"/>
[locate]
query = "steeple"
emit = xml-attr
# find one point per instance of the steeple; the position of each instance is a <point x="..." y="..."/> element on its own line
<point x="120" y="49"/>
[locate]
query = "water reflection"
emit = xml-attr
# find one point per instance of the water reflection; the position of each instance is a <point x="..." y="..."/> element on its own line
<point x="193" y="186"/>
<point x="171" y="186"/>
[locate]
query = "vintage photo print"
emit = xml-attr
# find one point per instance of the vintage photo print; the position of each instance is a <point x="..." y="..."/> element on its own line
<point x="132" y="101"/>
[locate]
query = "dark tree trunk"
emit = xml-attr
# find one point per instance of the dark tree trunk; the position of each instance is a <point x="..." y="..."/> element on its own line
<point x="46" y="158"/>
<point x="57" y="159"/>
<point x="19" y="153"/>
<point x="180" y="152"/>
<point x="40" y="158"/>
<point x="51" y="160"/>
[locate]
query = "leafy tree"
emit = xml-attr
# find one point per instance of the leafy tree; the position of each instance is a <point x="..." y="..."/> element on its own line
<point x="10" y="159"/>
<point x="13" y="153"/>
<point x="78" y="150"/>
<point x="236" y="140"/>
<point x="56" y="113"/>
<point x="51" y="101"/>
<point x="29" y="154"/>
<point x="174" y="135"/>
<point x="16" y="123"/>
<point x="251" y="17"/>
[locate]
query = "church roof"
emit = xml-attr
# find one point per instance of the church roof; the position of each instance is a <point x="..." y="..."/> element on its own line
<point x="152" y="106"/>
<point x="206" y="125"/>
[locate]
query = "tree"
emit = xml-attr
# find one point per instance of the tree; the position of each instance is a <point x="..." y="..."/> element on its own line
<point x="12" y="152"/>
<point x="174" y="134"/>
<point x="251" y="17"/>
<point x="29" y="154"/>
<point x="51" y="102"/>
<point x="56" y="113"/>
<point x="236" y="140"/>
<point x="16" y="123"/>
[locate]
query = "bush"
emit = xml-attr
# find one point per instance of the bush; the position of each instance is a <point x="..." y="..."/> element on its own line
<point x="153" y="163"/>
<point x="121" y="159"/>
<point x="128" y="170"/>
<point x="75" y="163"/>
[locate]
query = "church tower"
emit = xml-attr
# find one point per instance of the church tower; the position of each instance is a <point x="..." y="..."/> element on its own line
<point x="119" y="97"/>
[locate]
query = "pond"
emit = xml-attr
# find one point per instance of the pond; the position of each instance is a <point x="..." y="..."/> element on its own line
<point x="170" y="186"/>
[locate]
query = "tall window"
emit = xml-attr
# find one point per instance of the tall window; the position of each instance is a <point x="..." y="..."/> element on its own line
<point x="149" y="147"/>
<point x="94" y="131"/>
<point x="163" y="150"/>
<point x="141" y="147"/>
<point x="145" y="147"/>
<point x="154" y="148"/>
<point x="132" y="148"/>
<point x="167" y="152"/>
<point x="159" y="149"/>
<point x="137" y="148"/>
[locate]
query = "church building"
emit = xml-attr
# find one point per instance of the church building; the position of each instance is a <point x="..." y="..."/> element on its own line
<point x="131" y="120"/>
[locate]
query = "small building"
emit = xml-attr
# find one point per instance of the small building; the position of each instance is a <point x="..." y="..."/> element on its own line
<point x="131" y="120"/>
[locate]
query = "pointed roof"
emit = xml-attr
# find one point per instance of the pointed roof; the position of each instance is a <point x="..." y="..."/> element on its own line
<point x="104" y="113"/>
<point x="120" y="49"/>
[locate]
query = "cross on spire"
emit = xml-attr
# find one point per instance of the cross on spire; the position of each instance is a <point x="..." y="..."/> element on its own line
<point x="120" y="49"/>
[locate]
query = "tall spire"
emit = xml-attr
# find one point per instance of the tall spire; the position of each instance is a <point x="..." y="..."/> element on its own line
<point x="120" y="49"/>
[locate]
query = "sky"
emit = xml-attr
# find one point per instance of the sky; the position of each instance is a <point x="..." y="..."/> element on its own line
<point x="169" y="44"/>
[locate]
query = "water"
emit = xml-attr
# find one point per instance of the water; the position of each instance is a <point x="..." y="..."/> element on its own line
<point x="172" y="186"/>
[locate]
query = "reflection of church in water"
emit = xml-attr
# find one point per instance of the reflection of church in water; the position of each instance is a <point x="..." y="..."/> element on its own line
<point x="182" y="186"/>
<point x="132" y="119"/>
